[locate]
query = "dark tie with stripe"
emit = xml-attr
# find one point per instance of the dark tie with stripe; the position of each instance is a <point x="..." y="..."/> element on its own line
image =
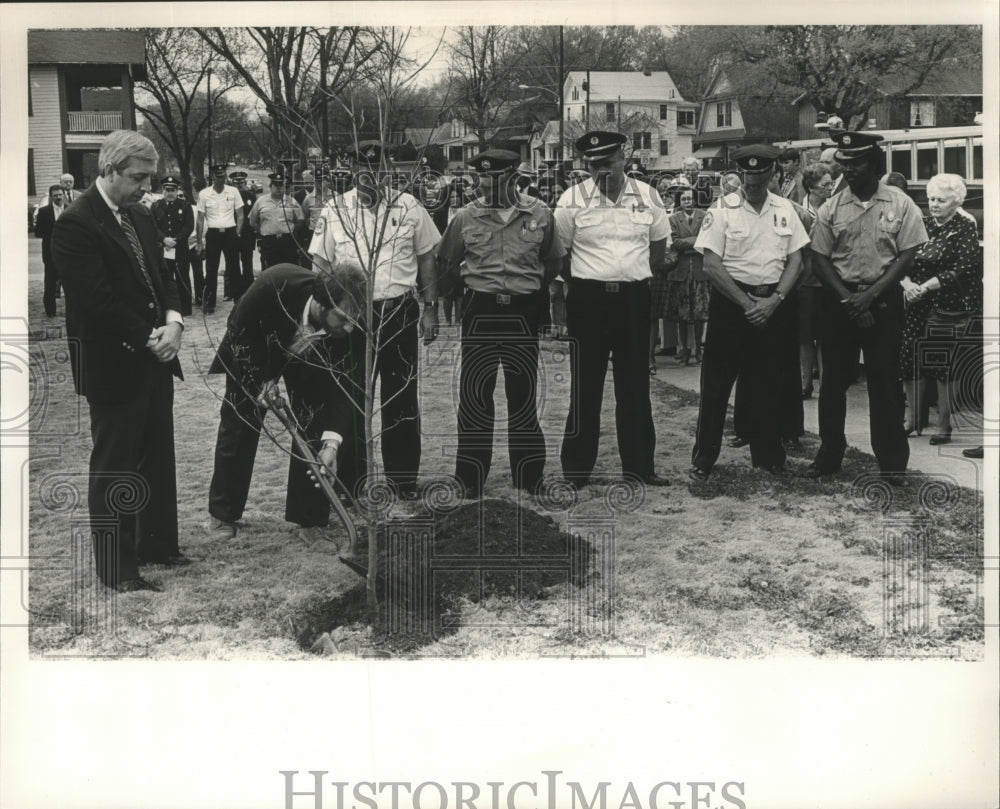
<point x="133" y="239"/>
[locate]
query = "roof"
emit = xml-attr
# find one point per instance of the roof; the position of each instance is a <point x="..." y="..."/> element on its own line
<point x="92" y="46"/>
<point x="423" y="135"/>
<point x="631" y="85"/>
<point x="955" y="77"/>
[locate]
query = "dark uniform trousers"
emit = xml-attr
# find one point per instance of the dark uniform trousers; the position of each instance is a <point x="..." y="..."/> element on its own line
<point x="180" y="268"/>
<point x="499" y="330"/>
<point x="603" y="320"/>
<point x="764" y="359"/>
<point x="236" y="449"/>
<point x="278" y="250"/>
<point x="395" y="329"/>
<point x="133" y="523"/>
<point x="248" y="243"/>
<point x="221" y="242"/>
<point x="840" y="340"/>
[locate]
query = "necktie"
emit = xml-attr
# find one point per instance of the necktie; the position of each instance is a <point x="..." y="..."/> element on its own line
<point x="133" y="239"/>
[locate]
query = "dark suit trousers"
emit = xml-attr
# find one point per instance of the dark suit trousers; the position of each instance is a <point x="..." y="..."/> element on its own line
<point x="765" y="360"/>
<point x="51" y="288"/>
<point x="236" y="449"/>
<point x="840" y="340"/>
<point x="133" y="486"/>
<point x="603" y="323"/>
<point x="495" y="335"/>
<point x="217" y="244"/>
<point x="395" y="324"/>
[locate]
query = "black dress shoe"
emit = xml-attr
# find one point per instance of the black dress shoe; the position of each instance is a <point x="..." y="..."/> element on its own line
<point x="654" y="480"/>
<point x="973" y="452"/>
<point x="937" y="439"/>
<point x="177" y="560"/>
<point x="697" y="474"/>
<point x="137" y="584"/>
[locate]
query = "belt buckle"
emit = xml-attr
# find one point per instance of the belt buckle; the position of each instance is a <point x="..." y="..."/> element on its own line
<point x="611" y="286"/>
<point x="761" y="291"/>
<point x="503" y="300"/>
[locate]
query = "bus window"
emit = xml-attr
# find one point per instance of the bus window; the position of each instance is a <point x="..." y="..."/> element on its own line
<point x="954" y="160"/>
<point x="977" y="161"/>
<point x="927" y="162"/>
<point x="901" y="161"/>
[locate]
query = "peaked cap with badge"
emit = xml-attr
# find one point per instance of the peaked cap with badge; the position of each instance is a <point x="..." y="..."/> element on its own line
<point x="599" y="144"/>
<point x="370" y="152"/>
<point x="495" y="161"/>
<point x="278" y="177"/>
<point x="237" y="175"/>
<point x="219" y="168"/>
<point x="756" y="158"/>
<point x="856" y="145"/>
<point x="170" y="181"/>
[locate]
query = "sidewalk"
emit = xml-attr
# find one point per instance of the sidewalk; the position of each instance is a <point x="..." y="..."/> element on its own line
<point x="946" y="461"/>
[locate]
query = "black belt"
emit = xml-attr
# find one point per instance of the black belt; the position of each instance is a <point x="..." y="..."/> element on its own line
<point x="389" y="304"/>
<point x="759" y="291"/>
<point x="221" y="230"/>
<point x="503" y="298"/>
<point x="607" y="286"/>
<point x="853" y="286"/>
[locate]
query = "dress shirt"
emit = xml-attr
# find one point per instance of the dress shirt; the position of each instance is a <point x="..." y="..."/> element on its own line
<point x="349" y="231"/>
<point x="753" y="246"/>
<point x="609" y="241"/>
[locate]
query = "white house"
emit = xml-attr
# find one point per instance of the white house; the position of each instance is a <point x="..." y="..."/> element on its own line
<point x="645" y="105"/>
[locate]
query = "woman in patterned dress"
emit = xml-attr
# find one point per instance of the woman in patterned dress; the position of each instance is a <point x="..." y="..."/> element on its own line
<point x="940" y="298"/>
<point x="687" y="284"/>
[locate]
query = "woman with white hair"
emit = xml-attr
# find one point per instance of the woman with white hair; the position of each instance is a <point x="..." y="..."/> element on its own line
<point x="940" y="295"/>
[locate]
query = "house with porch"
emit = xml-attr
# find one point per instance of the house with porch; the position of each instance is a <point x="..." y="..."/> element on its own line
<point x="80" y="87"/>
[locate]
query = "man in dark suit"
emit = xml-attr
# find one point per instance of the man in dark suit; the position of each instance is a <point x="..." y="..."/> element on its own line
<point x="47" y="216"/>
<point x="174" y="220"/>
<point x="124" y="333"/>
<point x="292" y="324"/>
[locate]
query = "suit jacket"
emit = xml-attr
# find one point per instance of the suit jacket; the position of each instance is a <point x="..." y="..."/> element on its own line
<point x="110" y="311"/>
<point x="683" y="236"/>
<point x="255" y="350"/>
<point x="43" y="230"/>
<point x="175" y="220"/>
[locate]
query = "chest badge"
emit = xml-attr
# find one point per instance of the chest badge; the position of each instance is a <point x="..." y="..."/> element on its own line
<point x="890" y="216"/>
<point x="532" y="226"/>
<point x="784" y="222"/>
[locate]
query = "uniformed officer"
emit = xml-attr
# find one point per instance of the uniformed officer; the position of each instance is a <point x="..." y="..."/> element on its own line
<point x="174" y="220"/>
<point x="752" y="243"/>
<point x="863" y="243"/>
<point x="220" y="223"/>
<point x="275" y="218"/>
<point x="248" y="238"/>
<point x="616" y="231"/>
<point x="392" y="238"/>
<point x="510" y="252"/>
<point x="312" y="206"/>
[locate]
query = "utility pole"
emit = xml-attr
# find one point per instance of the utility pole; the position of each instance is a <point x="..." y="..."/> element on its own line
<point x="562" y="112"/>
<point x="210" y="163"/>
<point x="588" y="100"/>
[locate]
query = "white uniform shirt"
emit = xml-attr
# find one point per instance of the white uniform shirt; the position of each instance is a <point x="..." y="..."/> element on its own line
<point x="754" y="247"/>
<point x="609" y="241"/>
<point x="220" y="208"/>
<point x="348" y="231"/>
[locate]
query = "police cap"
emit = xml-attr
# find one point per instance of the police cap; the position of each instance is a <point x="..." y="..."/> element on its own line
<point x="598" y="144"/>
<point x="756" y="158"/>
<point x="237" y="175"/>
<point x="495" y="161"/>
<point x="170" y="182"/>
<point x="370" y="152"/>
<point x="856" y="145"/>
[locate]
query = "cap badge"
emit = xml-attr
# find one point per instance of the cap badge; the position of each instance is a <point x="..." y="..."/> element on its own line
<point x="486" y="165"/>
<point x="370" y="153"/>
<point x="595" y="140"/>
<point x="752" y="162"/>
<point x="846" y="140"/>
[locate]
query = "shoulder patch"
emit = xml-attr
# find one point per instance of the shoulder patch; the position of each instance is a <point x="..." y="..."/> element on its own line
<point x="706" y="223"/>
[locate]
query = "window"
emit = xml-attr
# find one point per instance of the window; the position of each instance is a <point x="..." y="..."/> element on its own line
<point x="30" y="110"/>
<point x="576" y="94"/>
<point x="724" y="114"/>
<point x="685" y="117"/>
<point x="663" y="112"/>
<point x="454" y="154"/>
<point x="954" y="158"/>
<point x="31" y="172"/>
<point x="609" y="112"/>
<point x="664" y="148"/>
<point x="642" y="140"/>
<point x="671" y="93"/>
<point x="921" y="113"/>
<point x="902" y="161"/>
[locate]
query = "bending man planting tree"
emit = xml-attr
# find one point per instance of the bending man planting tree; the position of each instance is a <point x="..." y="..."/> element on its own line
<point x="295" y="325"/>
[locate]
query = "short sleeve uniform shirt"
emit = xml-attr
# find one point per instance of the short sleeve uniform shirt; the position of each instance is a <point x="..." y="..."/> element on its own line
<point x="862" y="240"/>
<point x="220" y="208"/>
<point x="609" y="241"/>
<point x="754" y="247"/>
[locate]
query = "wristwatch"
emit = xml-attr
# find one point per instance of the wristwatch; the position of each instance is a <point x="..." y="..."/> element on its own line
<point x="780" y="296"/>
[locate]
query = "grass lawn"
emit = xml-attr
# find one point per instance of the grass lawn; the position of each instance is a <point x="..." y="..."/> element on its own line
<point x="743" y="566"/>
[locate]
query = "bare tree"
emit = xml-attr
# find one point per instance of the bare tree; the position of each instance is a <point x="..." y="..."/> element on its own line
<point x="483" y="75"/>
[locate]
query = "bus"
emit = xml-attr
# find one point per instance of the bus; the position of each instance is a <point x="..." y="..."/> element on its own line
<point x="919" y="154"/>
